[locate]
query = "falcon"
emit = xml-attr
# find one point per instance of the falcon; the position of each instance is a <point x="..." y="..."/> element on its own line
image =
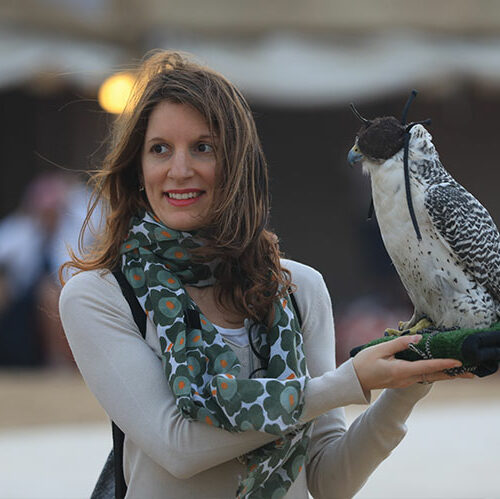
<point x="442" y="241"/>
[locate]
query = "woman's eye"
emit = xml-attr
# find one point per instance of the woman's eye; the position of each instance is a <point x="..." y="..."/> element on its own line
<point x="204" y="148"/>
<point x="159" y="148"/>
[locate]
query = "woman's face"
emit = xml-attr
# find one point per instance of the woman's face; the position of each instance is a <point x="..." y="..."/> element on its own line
<point x="178" y="165"/>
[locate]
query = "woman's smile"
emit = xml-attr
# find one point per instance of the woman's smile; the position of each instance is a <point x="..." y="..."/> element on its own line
<point x="183" y="197"/>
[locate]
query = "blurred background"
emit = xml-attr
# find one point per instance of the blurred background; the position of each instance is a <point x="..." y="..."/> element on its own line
<point x="299" y="63"/>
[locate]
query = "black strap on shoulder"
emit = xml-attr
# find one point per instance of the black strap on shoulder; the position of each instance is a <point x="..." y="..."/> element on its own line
<point x="192" y="319"/>
<point x="118" y="435"/>
<point x="296" y="308"/>
<point x="137" y="311"/>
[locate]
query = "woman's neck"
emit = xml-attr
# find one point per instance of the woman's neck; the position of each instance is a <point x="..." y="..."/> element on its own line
<point x="206" y="302"/>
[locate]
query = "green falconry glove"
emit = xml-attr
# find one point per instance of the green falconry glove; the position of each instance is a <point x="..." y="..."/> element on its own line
<point x="477" y="349"/>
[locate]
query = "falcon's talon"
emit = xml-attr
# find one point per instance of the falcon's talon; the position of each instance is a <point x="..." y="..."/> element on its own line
<point x="420" y="326"/>
<point x="392" y="332"/>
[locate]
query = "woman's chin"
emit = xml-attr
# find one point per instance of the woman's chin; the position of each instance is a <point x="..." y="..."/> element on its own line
<point x="184" y="222"/>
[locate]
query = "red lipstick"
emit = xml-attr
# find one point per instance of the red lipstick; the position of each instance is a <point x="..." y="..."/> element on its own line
<point x="183" y="197"/>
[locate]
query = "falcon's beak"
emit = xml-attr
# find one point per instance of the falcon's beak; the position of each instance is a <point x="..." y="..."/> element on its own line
<point x="355" y="156"/>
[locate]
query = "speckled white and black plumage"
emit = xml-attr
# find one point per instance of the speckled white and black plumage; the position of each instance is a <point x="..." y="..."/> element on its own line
<point x="452" y="274"/>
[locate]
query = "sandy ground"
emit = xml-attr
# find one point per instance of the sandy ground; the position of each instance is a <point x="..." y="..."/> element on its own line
<point x="54" y="438"/>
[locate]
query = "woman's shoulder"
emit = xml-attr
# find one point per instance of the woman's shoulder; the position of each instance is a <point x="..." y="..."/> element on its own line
<point x="311" y="294"/>
<point x="102" y="278"/>
<point x="302" y="274"/>
<point x="99" y="286"/>
<point x="310" y="288"/>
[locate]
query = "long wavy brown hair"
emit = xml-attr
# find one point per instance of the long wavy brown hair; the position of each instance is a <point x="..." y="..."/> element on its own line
<point x="250" y="277"/>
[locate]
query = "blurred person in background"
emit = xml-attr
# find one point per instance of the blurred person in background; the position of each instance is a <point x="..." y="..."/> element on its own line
<point x="233" y="387"/>
<point x="33" y="243"/>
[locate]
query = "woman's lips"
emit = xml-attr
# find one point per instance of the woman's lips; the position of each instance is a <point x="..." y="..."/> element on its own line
<point x="183" y="197"/>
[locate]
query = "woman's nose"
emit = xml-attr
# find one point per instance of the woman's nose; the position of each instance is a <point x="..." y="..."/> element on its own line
<point x="180" y="165"/>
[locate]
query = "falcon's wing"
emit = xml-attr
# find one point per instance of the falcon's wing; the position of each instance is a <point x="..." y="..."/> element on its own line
<point x="465" y="224"/>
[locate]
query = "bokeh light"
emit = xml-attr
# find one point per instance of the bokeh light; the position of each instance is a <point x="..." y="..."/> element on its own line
<point x="115" y="91"/>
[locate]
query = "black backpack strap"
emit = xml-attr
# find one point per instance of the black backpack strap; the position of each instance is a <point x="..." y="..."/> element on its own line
<point x="118" y="438"/>
<point x="137" y="311"/>
<point x="118" y="435"/>
<point x="295" y="307"/>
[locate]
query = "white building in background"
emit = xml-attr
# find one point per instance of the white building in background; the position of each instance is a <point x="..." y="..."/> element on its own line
<point x="284" y="52"/>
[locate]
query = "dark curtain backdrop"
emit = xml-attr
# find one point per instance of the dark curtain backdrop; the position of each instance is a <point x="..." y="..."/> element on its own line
<point x="319" y="203"/>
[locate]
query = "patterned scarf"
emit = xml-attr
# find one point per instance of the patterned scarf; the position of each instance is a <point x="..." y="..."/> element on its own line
<point x="202" y="370"/>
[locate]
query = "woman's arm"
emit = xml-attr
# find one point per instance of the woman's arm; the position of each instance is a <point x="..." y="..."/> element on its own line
<point x="127" y="378"/>
<point x="341" y="460"/>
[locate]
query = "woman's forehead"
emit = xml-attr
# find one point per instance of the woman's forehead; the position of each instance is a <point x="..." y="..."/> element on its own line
<point x="176" y="118"/>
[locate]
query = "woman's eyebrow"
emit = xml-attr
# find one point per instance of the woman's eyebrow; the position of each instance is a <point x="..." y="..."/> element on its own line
<point x="154" y="139"/>
<point x="209" y="136"/>
<point x="203" y="136"/>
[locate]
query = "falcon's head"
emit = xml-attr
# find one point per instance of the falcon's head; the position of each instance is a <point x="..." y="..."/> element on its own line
<point x="380" y="139"/>
<point x="377" y="140"/>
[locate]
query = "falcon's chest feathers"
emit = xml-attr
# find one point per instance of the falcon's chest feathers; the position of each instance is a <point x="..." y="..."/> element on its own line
<point x="448" y="272"/>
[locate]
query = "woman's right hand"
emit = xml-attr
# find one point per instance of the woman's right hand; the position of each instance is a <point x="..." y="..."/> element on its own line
<point x="377" y="367"/>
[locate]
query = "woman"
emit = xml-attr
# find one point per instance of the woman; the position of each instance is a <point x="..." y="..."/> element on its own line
<point x="234" y="407"/>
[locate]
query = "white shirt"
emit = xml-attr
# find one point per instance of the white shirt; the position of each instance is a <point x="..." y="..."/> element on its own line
<point x="235" y="336"/>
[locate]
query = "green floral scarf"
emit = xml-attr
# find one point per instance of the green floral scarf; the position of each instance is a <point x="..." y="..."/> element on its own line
<point x="202" y="370"/>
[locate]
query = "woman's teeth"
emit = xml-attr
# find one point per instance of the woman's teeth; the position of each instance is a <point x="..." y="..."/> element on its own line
<point x="186" y="195"/>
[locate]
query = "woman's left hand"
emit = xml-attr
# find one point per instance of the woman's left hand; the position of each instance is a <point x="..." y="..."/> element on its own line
<point x="377" y="367"/>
